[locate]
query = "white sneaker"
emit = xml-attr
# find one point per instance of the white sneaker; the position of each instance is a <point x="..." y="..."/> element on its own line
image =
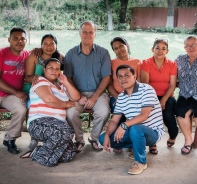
<point x="137" y="168"/>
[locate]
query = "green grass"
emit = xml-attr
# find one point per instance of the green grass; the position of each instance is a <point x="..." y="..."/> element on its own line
<point x="140" y="42"/>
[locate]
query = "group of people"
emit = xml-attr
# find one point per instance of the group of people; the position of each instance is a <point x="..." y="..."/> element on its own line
<point x="138" y="93"/>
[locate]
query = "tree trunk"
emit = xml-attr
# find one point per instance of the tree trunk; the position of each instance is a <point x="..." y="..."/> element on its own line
<point x="110" y="22"/>
<point x="123" y="10"/>
<point x="170" y="17"/>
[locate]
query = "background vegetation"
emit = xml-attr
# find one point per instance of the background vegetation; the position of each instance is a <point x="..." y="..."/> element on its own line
<point x="68" y="14"/>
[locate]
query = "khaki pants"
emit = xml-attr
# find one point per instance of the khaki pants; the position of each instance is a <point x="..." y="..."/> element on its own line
<point x="18" y="109"/>
<point x="101" y="113"/>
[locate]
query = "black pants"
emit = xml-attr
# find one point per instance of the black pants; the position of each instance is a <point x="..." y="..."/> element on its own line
<point x="169" y="117"/>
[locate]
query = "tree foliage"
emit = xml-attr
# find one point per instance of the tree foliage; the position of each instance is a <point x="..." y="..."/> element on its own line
<point x="186" y="3"/>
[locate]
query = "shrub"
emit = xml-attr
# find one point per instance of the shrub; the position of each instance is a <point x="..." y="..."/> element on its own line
<point x="18" y="17"/>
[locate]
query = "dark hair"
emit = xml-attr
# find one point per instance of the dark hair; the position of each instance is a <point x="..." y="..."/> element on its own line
<point x="88" y="22"/>
<point x="125" y="67"/>
<point x="121" y="40"/>
<point x="17" y="29"/>
<point x="51" y="60"/>
<point x="158" y="40"/>
<point x="56" y="54"/>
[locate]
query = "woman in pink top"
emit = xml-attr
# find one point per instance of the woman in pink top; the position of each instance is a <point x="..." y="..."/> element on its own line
<point x="122" y="51"/>
<point x="161" y="74"/>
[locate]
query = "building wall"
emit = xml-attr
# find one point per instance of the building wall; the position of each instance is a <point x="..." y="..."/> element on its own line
<point x="156" y="17"/>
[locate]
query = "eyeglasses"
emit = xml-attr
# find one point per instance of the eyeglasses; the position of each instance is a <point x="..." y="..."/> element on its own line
<point x="161" y="40"/>
<point x="51" y="69"/>
<point x="192" y="46"/>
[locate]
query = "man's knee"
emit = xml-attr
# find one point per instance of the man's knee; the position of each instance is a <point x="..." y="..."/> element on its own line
<point x="102" y="112"/>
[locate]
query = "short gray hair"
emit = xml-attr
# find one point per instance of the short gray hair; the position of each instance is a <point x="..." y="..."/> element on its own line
<point x="190" y="37"/>
<point x="88" y="22"/>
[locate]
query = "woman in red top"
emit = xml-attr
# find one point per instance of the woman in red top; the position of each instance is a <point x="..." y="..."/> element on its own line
<point x="161" y="74"/>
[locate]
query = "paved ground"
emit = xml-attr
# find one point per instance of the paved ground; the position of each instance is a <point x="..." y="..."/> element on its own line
<point x="169" y="167"/>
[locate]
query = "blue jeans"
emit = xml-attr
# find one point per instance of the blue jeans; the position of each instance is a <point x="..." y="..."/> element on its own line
<point x="136" y="137"/>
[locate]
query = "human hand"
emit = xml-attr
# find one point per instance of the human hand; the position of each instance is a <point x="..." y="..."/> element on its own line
<point x="37" y="52"/>
<point x="35" y="79"/>
<point x="90" y="102"/>
<point x="119" y="134"/>
<point x="163" y="103"/>
<point x="107" y="144"/>
<point x="69" y="104"/>
<point x="22" y="95"/>
<point x="83" y="100"/>
<point x="62" y="78"/>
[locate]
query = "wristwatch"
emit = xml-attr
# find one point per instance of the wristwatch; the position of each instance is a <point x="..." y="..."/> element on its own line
<point x="124" y="126"/>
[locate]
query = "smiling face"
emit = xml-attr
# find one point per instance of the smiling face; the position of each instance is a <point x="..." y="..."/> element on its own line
<point x="160" y="51"/>
<point x="48" y="46"/>
<point x="120" y="49"/>
<point x="191" y="47"/>
<point x="125" y="78"/>
<point x="17" y="42"/>
<point x="52" y="71"/>
<point x="87" y="34"/>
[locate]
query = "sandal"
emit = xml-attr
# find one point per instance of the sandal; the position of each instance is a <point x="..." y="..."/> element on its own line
<point x="170" y="143"/>
<point x="153" y="149"/>
<point x="79" y="145"/>
<point x="94" y="144"/>
<point x="117" y="150"/>
<point x="28" y="154"/>
<point x="188" y="147"/>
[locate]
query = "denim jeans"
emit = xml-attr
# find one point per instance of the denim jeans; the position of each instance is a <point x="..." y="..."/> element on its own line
<point x="136" y="137"/>
<point x="169" y="117"/>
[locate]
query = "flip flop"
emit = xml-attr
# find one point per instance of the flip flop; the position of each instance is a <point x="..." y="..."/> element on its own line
<point x="188" y="147"/>
<point x="153" y="149"/>
<point x="79" y="145"/>
<point x="27" y="154"/>
<point x="117" y="150"/>
<point x="170" y="144"/>
<point x="94" y="144"/>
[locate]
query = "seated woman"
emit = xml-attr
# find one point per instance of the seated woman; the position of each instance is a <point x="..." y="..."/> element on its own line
<point x="47" y="116"/>
<point x="161" y="74"/>
<point x="186" y="108"/>
<point x="34" y="66"/>
<point x="122" y="51"/>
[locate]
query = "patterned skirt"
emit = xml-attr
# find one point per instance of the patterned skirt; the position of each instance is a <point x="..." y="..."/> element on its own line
<point x="57" y="141"/>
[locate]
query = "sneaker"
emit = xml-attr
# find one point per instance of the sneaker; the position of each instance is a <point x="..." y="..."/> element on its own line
<point x="33" y="144"/>
<point x="137" y="168"/>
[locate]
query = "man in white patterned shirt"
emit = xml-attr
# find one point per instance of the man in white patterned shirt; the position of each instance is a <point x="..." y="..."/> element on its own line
<point x="144" y="125"/>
